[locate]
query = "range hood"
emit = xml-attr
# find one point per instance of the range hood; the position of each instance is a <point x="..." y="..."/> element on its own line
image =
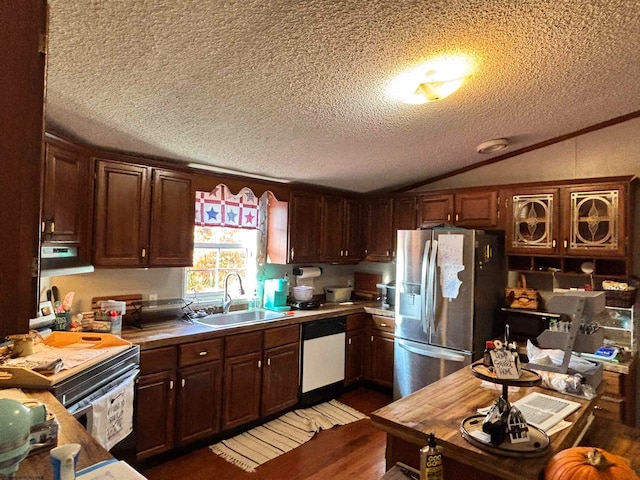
<point x="56" y="261"/>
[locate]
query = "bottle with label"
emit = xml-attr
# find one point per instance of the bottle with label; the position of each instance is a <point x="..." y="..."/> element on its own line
<point x="486" y="358"/>
<point x="431" y="460"/>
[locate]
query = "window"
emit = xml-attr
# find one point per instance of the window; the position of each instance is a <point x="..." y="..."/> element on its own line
<point x="217" y="252"/>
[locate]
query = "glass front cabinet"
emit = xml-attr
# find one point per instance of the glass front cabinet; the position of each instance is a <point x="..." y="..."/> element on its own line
<point x="586" y="221"/>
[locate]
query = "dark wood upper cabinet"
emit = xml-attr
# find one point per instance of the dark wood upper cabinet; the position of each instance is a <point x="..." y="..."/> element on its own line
<point x="379" y="229"/>
<point x="67" y="195"/>
<point x="305" y="216"/>
<point x="137" y="225"/>
<point x="172" y="219"/>
<point x="23" y="27"/>
<point x="352" y="235"/>
<point x="333" y="228"/>
<point x="469" y="209"/>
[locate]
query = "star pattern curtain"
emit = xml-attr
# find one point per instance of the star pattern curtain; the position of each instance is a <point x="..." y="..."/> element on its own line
<point x="220" y="208"/>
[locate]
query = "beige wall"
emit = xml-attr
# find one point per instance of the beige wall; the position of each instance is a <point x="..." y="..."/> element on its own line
<point x="607" y="152"/>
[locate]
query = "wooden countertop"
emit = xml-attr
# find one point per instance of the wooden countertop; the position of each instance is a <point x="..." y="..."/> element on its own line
<point x="175" y="331"/>
<point x="441" y="407"/>
<point x="71" y="431"/>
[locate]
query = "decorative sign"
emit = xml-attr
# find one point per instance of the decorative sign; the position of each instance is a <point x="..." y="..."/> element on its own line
<point x="220" y="208"/>
<point x="504" y="364"/>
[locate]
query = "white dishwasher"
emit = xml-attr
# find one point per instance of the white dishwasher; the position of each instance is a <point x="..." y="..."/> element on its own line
<point x="323" y="359"/>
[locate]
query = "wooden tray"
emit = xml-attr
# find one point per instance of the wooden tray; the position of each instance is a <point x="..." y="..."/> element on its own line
<point x="14" y="376"/>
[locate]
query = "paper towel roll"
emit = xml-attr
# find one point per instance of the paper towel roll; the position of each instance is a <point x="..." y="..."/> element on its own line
<point x="307" y="272"/>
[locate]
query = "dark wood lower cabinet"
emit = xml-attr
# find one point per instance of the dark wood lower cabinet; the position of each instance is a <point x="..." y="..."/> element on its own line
<point x="199" y="401"/>
<point x="155" y="407"/>
<point x="381" y="348"/>
<point x="242" y="379"/>
<point x="280" y="378"/>
<point x="355" y="356"/>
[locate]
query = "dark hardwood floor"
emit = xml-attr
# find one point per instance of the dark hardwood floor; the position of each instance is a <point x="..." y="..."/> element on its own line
<point x="353" y="451"/>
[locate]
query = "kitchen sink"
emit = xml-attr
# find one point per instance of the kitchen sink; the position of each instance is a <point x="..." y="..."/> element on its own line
<point x="243" y="317"/>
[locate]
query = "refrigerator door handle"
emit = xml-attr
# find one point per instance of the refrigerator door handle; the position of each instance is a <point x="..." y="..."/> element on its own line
<point x="423" y="287"/>
<point x="431" y="287"/>
<point x="429" y="351"/>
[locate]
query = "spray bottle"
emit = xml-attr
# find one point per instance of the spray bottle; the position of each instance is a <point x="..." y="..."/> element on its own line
<point x="431" y="460"/>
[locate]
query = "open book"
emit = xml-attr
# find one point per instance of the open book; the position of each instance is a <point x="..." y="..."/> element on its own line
<point x="544" y="411"/>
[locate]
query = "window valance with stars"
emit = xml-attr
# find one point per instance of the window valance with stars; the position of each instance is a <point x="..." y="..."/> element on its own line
<point x="220" y="208"/>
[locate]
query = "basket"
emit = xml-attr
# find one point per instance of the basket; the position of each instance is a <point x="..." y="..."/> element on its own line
<point x="521" y="296"/>
<point x="620" y="298"/>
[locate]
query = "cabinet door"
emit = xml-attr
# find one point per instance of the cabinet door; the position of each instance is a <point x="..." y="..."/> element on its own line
<point x="172" y="220"/>
<point x="242" y="379"/>
<point x="476" y="209"/>
<point x="332" y="229"/>
<point x="596" y="222"/>
<point x="67" y="197"/>
<point x="379" y="228"/>
<point x="354" y="362"/>
<point x="280" y="378"/>
<point x="533" y="221"/>
<point x="121" y="215"/>
<point x="199" y="401"/>
<point x="382" y="359"/>
<point x="404" y="217"/>
<point x="352" y="230"/>
<point x="435" y="208"/>
<point x="304" y="227"/>
<point x="155" y="407"/>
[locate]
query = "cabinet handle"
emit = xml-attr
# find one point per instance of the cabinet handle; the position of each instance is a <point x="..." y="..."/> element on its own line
<point x="52" y="229"/>
<point x="387" y="253"/>
<point x="170" y="384"/>
<point x="383" y="325"/>
<point x="182" y="383"/>
<point x="346" y="253"/>
<point x="553" y="243"/>
<point x="269" y="362"/>
<point x="259" y="363"/>
<point x="203" y="353"/>
<point x="44" y="226"/>
<point x="372" y="338"/>
<point x="566" y="243"/>
<point x="457" y="217"/>
<point x="144" y="252"/>
<point x="349" y="340"/>
<point x="293" y="253"/>
<point x="448" y="217"/>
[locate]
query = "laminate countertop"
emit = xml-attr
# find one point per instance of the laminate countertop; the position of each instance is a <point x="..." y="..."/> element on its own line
<point x="173" y="331"/>
<point x="38" y="466"/>
<point x="441" y="407"/>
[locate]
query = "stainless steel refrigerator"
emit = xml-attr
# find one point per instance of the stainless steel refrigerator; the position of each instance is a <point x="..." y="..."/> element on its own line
<point x="449" y="288"/>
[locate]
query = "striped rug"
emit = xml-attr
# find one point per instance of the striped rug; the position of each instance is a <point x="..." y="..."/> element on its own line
<point x="251" y="449"/>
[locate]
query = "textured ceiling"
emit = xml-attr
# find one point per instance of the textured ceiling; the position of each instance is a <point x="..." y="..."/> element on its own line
<point x="297" y="90"/>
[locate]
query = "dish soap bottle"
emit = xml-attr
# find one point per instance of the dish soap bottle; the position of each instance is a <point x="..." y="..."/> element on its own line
<point x="431" y="460"/>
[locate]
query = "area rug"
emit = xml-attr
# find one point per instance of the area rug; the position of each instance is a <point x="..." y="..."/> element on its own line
<point x="251" y="449"/>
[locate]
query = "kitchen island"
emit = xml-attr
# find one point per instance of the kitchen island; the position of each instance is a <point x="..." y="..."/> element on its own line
<point x="441" y="407"/>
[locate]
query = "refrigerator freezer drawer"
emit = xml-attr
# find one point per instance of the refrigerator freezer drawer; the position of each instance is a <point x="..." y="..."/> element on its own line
<point x="417" y="365"/>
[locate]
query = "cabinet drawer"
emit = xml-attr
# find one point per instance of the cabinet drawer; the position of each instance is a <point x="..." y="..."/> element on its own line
<point x="158" y="360"/>
<point x="386" y="324"/>
<point x="356" y="321"/>
<point x="274" y="337"/>
<point x="200" y="352"/>
<point x="610" y="408"/>
<point x="614" y="383"/>
<point x="242" y="344"/>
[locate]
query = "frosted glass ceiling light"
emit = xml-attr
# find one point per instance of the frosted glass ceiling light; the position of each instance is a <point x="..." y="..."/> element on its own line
<point x="433" y="80"/>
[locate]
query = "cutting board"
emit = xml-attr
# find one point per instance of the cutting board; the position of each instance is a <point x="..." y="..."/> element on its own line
<point x="365" y="285"/>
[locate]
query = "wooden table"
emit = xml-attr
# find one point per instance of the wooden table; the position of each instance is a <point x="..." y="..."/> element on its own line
<point x="441" y="407"/>
<point x="71" y="431"/>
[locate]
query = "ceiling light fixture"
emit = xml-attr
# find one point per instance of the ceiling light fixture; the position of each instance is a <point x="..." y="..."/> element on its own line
<point x="431" y="81"/>
<point x="492" y="146"/>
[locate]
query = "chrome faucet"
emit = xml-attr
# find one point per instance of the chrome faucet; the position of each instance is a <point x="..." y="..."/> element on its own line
<point x="226" y="301"/>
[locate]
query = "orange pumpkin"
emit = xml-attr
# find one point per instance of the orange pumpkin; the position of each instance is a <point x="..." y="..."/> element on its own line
<point x="588" y="463"/>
